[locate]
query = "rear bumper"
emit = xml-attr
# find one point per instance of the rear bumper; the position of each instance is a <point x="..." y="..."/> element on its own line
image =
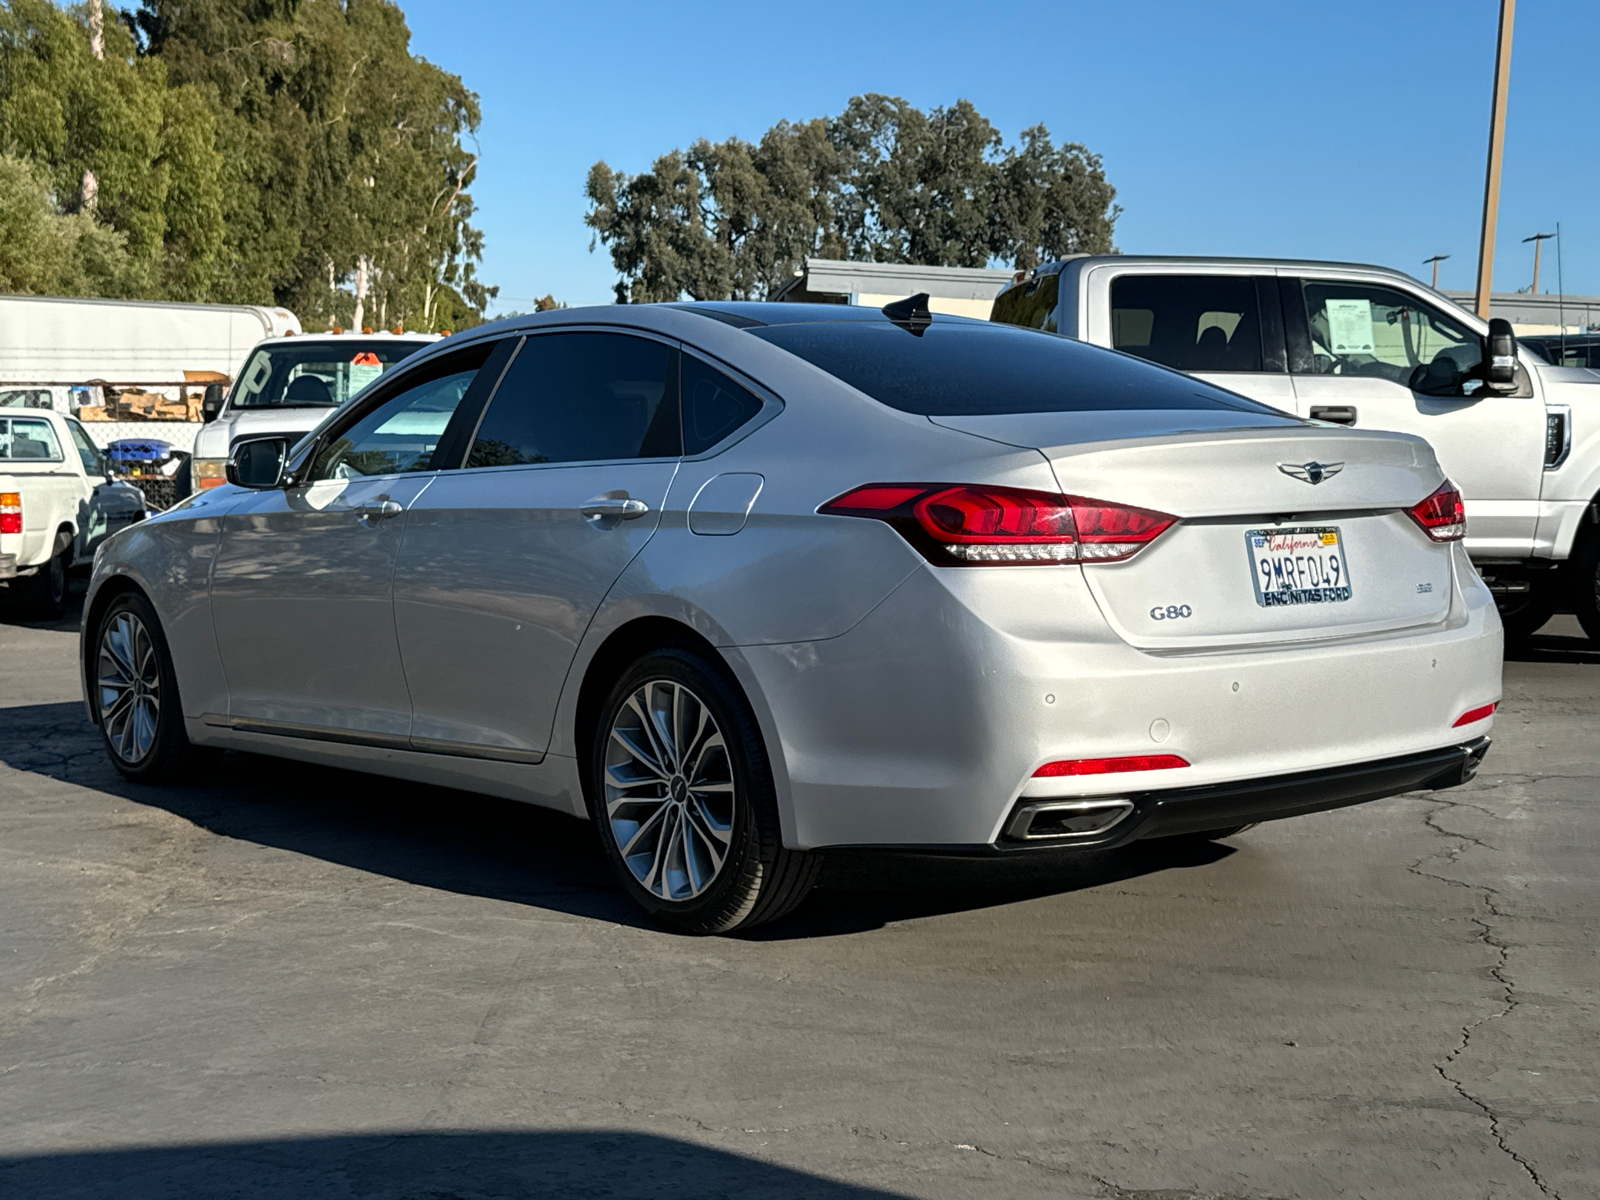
<point x="1221" y="806"/>
<point x="8" y="566"/>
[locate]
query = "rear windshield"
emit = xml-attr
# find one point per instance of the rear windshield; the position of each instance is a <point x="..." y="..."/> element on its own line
<point x="22" y="439"/>
<point x="955" y="369"/>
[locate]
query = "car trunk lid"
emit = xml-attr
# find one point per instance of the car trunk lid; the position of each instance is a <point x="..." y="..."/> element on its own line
<point x="1286" y="531"/>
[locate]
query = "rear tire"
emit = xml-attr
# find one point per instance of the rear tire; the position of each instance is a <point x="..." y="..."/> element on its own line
<point x="135" y="694"/>
<point x="681" y="794"/>
<point x="43" y="595"/>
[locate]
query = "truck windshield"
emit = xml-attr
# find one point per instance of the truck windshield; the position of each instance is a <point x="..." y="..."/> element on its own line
<point x="959" y="368"/>
<point x="315" y="374"/>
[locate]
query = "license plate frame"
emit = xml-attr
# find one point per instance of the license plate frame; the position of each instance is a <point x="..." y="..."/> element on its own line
<point x="1313" y="569"/>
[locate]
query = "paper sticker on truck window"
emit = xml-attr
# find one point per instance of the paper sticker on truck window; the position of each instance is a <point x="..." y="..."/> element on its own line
<point x="364" y="368"/>
<point x="1350" y="326"/>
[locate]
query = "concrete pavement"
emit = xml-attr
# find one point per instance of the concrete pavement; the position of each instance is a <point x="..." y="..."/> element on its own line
<point x="293" y="981"/>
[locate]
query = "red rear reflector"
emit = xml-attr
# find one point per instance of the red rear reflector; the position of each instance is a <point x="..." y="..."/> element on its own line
<point x="1473" y="715"/>
<point x="10" y="512"/>
<point x="1110" y="766"/>
<point x="1442" y="516"/>
<point x="972" y="525"/>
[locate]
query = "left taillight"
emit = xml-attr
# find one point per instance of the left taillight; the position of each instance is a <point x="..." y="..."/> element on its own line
<point x="977" y="526"/>
<point x="1441" y="515"/>
<point x="10" y="512"/>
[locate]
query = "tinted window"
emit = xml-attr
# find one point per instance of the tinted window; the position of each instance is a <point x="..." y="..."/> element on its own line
<point x="713" y="406"/>
<point x="961" y="369"/>
<point x="1032" y="304"/>
<point x="581" y="397"/>
<point x="1361" y="330"/>
<point x="1188" y="322"/>
<point x="402" y="433"/>
<point x="24" y="438"/>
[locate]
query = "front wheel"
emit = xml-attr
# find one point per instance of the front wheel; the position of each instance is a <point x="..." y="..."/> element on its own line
<point x="1584" y="575"/>
<point x="135" y="694"/>
<point x="682" y="794"/>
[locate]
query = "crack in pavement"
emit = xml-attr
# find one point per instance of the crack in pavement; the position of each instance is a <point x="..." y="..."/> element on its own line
<point x="1499" y="971"/>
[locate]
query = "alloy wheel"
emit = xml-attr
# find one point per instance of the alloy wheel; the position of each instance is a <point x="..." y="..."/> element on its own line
<point x="129" y="677"/>
<point x="669" y="790"/>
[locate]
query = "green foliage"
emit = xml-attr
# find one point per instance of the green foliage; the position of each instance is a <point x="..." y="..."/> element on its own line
<point x="250" y="151"/>
<point x="43" y="252"/>
<point x="881" y="182"/>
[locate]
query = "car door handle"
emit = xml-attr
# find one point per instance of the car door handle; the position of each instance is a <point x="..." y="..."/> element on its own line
<point x="1335" y="414"/>
<point x="378" y="512"/>
<point x="622" y="507"/>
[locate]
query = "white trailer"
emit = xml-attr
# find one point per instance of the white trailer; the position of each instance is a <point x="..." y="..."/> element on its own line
<point x="60" y="346"/>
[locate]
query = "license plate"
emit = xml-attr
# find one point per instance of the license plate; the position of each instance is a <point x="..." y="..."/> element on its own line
<point x="1298" y="566"/>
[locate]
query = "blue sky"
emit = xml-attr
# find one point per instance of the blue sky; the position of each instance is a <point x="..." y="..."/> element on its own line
<point x="1352" y="130"/>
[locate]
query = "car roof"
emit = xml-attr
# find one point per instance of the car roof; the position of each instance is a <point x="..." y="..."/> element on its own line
<point x="748" y="314"/>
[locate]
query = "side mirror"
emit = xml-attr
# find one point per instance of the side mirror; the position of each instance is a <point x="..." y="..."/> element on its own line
<point x="211" y="404"/>
<point x="1500" y="354"/>
<point x="257" y="462"/>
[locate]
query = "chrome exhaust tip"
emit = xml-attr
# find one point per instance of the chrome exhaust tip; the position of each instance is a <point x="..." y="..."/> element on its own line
<point x="1054" y="820"/>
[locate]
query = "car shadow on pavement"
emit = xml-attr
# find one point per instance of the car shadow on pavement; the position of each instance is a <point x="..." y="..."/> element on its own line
<point x="1555" y="648"/>
<point x="482" y="846"/>
<point x="421" y="1166"/>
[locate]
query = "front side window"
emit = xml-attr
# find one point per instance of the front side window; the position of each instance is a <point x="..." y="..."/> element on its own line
<point x="401" y="434"/>
<point x="1188" y="322"/>
<point x="315" y="374"/>
<point x="88" y="455"/>
<point x="582" y="397"/>
<point x="1361" y="330"/>
<point x="23" y="439"/>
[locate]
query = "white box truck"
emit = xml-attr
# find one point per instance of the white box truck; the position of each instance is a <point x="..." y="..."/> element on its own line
<point x="72" y="355"/>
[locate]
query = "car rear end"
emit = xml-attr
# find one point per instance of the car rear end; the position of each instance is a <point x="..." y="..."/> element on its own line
<point x="1221" y="615"/>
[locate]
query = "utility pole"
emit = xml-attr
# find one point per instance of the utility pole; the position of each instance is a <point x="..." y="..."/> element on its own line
<point x="97" y="48"/>
<point x="1435" y="260"/>
<point x="1538" y="241"/>
<point x="1497" y="137"/>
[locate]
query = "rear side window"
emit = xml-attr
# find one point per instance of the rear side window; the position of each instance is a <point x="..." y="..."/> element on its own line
<point x="23" y="440"/>
<point x="713" y="406"/>
<point x="1031" y="305"/>
<point x="582" y="397"/>
<point x="1188" y="322"/>
<point x="970" y="369"/>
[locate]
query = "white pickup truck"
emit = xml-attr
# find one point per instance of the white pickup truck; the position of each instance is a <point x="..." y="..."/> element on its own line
<point x="57" y="503"/>
<point x="1372" y="347"/>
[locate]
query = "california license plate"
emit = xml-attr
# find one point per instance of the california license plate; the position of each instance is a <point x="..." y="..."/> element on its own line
<point x="1298" y="566"/>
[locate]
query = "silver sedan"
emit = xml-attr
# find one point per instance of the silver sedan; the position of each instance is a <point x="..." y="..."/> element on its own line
<point x="743" y="582"/>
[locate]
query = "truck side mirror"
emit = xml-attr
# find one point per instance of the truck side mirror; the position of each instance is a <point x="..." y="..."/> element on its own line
<point x="1500" y="354"/>
<point x="211" y="404"/>
<point x="257" y="462"/>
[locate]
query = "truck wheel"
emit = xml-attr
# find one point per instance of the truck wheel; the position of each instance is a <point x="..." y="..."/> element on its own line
<point x="682" y="795"/>
<point x="1584" y="576"/>
<point x="136" y="694"/>
<point x="43" y="595"/>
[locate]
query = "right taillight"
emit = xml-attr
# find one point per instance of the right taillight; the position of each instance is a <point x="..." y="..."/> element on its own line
<point x="10" y="512"/>
<point x="975" y="525"/>
<point x="1442" y="516"/>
